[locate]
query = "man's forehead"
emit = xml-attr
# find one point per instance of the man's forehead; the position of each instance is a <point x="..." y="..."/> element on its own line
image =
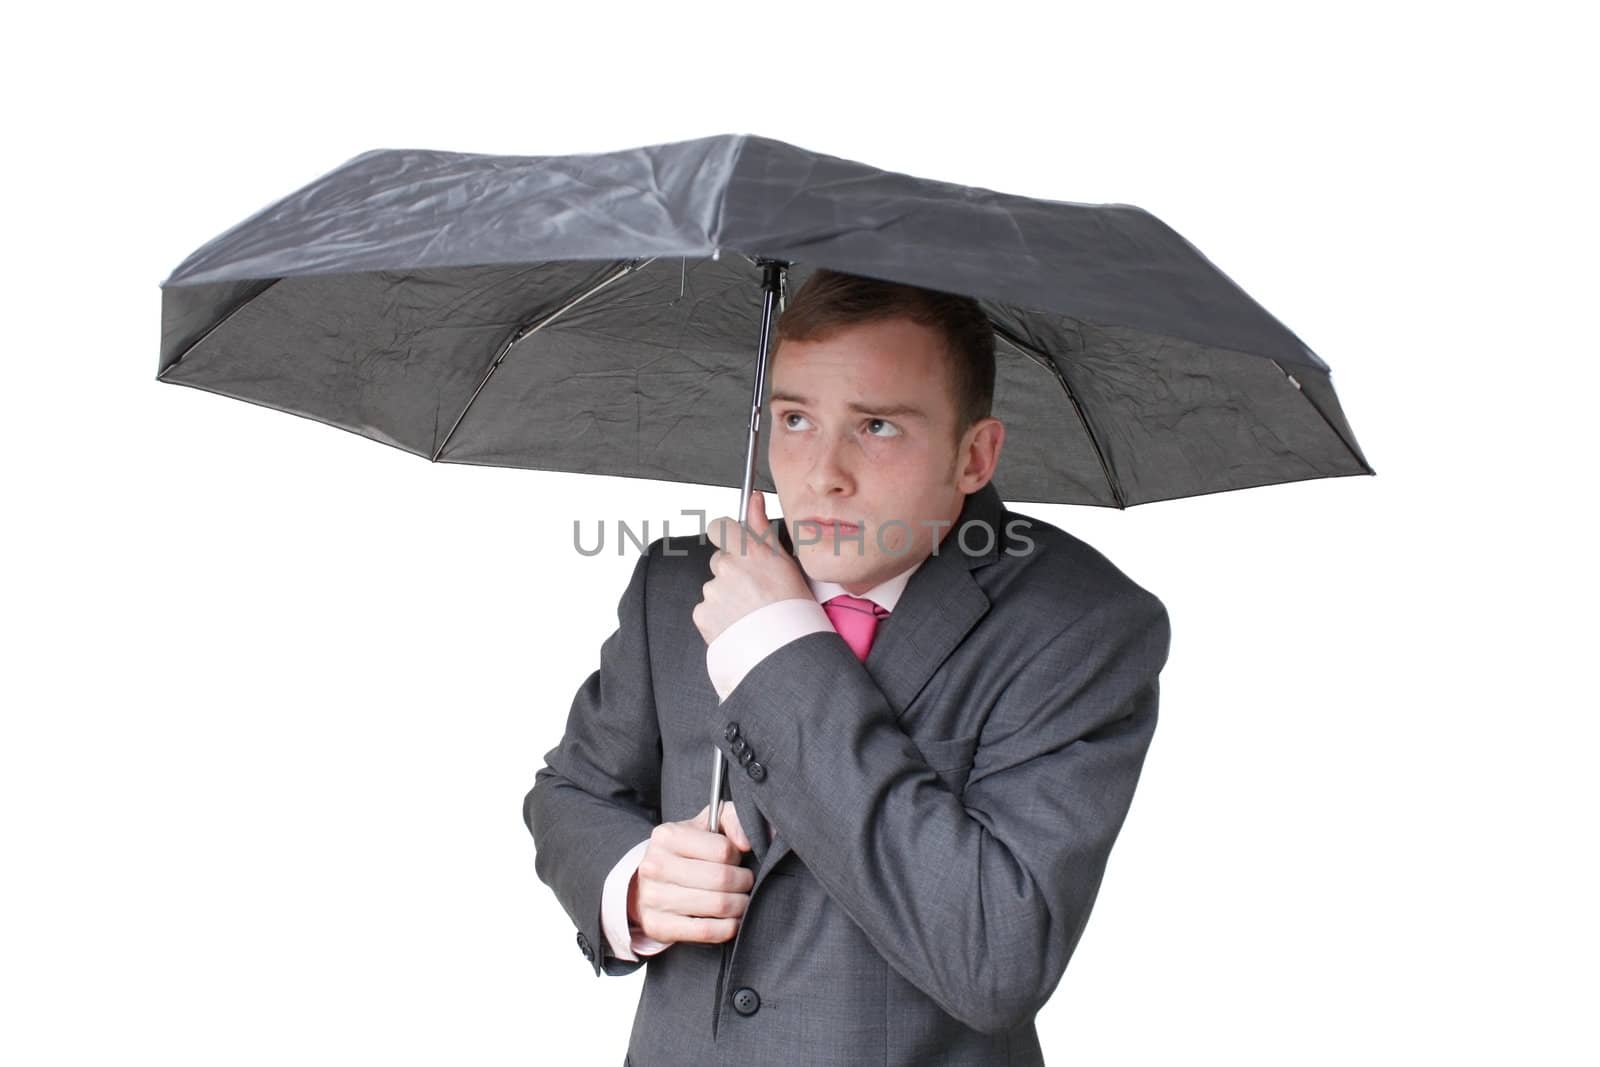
<point x="843" y="368"/>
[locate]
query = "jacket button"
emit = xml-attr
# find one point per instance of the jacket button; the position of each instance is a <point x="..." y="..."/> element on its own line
<point x="731" y="732"/>
<point x="585" y="947"/>
<point x="756" y="771"/>
<point x="746" y="1001"/>
<point x="739" y="745"/>
<point x="744" y="756"/>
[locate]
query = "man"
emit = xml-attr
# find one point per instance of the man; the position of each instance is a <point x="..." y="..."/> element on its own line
<point x="926" y="773"/>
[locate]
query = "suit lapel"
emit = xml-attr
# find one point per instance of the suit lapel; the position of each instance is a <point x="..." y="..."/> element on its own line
<point x="939" y="607"/>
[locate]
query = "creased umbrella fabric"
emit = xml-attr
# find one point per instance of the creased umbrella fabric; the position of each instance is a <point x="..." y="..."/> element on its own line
<point x="380" y="298"/>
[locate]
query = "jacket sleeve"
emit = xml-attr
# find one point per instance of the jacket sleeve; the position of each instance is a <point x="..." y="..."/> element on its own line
<point x="978" y="900"/>
<point x="598" y="794"/>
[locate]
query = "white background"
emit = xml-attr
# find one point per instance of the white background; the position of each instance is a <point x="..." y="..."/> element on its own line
<point x="273" y="692"/>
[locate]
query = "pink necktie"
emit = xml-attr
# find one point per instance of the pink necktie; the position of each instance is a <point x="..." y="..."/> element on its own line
<point x="856" y="620"/>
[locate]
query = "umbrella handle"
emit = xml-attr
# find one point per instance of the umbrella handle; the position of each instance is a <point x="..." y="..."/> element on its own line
<point x="773" y="272"/>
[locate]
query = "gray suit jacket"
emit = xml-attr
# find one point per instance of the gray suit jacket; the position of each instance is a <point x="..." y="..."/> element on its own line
<point x="944" y="810"/>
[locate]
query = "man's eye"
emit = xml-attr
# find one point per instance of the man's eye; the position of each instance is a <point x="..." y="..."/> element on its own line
<point x="786" y="416"/>
<point x="894" y="431"/>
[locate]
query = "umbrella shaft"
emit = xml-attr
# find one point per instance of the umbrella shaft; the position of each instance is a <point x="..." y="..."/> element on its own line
<point x="772" y="276"/>
<point x="772" y="287"/>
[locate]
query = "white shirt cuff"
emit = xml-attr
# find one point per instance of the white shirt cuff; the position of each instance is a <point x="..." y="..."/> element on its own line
<point x="625" y="944"/>
<point x="756" y="636"/>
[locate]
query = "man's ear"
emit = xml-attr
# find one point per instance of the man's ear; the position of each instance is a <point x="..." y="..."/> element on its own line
<point x="979" y="454"/>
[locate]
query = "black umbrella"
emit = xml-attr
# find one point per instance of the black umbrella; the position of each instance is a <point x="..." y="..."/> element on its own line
<point x="611" y="314"/>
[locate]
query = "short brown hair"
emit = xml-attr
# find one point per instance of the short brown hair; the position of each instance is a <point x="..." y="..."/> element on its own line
<point x="831" y="300"/>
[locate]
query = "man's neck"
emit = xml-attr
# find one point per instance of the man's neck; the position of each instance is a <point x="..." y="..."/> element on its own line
<point x="885" y="591"/>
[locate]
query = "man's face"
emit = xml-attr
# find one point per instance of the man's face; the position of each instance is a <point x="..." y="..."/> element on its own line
<point x="863" y="431"/>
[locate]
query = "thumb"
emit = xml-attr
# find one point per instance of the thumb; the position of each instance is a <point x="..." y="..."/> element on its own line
<point x="732" y="827"/>
<point x="757" y="518"/>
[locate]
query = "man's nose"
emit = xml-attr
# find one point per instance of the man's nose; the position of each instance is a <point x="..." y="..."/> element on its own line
<point x="830" y="473"/>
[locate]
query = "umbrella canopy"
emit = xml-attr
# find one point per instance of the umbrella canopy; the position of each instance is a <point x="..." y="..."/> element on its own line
<point x="600" y="314"/>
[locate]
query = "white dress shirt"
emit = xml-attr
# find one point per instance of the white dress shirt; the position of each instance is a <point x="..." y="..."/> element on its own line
<point x="728" y="659"/>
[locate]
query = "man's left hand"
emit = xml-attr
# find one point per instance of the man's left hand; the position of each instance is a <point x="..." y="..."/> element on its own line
<point x="750" y="570"/>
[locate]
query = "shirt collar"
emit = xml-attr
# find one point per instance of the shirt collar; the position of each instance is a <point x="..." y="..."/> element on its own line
<point x="886" y="594"/>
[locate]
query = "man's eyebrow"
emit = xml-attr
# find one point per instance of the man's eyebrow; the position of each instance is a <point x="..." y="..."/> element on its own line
<point x="860" y="409"/>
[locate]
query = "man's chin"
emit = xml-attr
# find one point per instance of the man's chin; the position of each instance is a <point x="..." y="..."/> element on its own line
<point x="825" y="566"/>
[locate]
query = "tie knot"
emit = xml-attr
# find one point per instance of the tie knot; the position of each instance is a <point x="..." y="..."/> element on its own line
<point x="856" y="620"/>
<point x="856" y="603"/>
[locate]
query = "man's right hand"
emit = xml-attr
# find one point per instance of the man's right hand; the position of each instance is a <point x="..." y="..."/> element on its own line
<point x="689" y="885"/>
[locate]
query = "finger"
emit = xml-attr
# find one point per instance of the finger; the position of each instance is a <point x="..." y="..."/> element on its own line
<point x="690" y="873"/>
<point x="701" y="818"/>
<point x="664" y="898"/>
<point x="717" y="529"/>
<point x="734" y="828"/>
<point x="730" y="826"/>
<point x="691" y="838"/>
<point x="665" y="926"/>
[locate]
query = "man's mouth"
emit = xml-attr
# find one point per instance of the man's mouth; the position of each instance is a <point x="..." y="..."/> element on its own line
<point x="829" y="525"/>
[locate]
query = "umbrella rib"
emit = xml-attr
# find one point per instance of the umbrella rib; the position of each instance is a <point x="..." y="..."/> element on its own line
<point x="529" y="329"/>
<point x="240" y="306"/>
<point x="1327" y="421"/>
<point x="1083" y="420"/>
